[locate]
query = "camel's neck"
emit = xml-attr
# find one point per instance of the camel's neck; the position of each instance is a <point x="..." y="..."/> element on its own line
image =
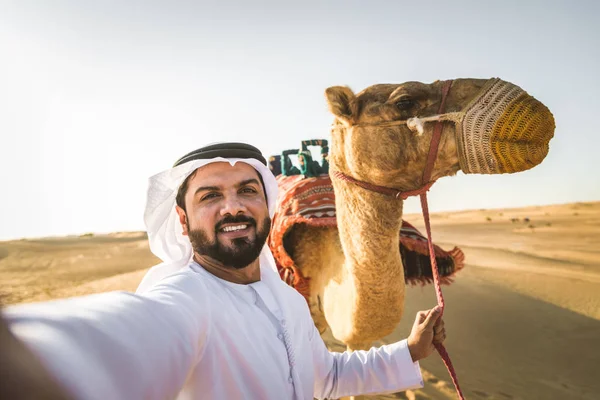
<point x="369" y="226"/>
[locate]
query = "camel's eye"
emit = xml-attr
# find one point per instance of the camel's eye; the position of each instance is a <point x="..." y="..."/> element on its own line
<point x="405" y="104"/>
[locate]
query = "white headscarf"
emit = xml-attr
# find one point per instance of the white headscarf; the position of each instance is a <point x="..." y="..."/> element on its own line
<point x="165" y="233"/>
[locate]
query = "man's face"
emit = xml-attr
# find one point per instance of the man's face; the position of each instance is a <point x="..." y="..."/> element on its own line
<point x="226" y="215"/>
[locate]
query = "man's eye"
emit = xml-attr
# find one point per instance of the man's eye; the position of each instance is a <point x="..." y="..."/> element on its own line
<point x="248" y="190"/>
<point x="209" y="196"/>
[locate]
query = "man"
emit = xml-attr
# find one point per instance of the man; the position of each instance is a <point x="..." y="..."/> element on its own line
<point x="214" y="320"/>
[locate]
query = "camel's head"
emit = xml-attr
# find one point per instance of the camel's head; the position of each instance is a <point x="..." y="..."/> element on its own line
<point x="489" y="127"/>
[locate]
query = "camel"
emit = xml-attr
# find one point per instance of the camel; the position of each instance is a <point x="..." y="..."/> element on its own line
<point x="356" y="275"/>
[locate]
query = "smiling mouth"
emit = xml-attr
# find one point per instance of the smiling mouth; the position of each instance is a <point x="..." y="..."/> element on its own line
<point x="234" y="228"/>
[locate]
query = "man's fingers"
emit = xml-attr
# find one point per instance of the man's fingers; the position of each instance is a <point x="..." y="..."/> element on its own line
<point x="432" y="317"/>
<point x="439" y="336"/>
<point x="421" y="316"/>
<point x="439" y="325"/>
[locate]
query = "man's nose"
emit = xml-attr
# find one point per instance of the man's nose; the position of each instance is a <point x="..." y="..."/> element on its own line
<point x="232" y="205"/>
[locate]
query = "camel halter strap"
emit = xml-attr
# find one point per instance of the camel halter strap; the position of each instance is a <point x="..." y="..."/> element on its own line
<point x="422" y="192"/>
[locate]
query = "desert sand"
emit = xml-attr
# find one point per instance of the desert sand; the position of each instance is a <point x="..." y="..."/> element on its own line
<point x="523" y="317"/>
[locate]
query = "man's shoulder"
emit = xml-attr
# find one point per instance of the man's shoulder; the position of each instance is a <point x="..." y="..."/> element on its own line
<point x="185" y="279"/>
<point x="293" y="296"/>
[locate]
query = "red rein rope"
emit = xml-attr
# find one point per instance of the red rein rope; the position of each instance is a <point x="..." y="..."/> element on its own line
<point x="382" y="189"/>
<point x="440" y="297"/>
<point x="422" y="192"/>
<point x="431" y="157"/>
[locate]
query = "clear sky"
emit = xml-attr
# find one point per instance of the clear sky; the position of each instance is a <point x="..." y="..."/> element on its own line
<point x="96" y="96"/>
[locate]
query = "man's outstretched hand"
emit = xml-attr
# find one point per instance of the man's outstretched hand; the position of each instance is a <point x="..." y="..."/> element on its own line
<point x="427" y="330"/>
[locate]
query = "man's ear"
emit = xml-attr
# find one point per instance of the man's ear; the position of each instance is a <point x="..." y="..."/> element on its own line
<point x="342" y="103"/>
<point x="182" y="219"/>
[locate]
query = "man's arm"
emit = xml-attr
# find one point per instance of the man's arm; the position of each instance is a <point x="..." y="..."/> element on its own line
<point x="23" y="376"/>
<point x="385" y="369"/>
<point x="118" y="345"/>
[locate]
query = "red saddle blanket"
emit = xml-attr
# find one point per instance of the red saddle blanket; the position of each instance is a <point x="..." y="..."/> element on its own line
<point x="311" y="201"/>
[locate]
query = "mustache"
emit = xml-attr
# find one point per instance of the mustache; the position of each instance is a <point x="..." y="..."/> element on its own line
<point x="239" y="219"/>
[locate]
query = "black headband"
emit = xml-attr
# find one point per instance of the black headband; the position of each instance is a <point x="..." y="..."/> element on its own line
<point x="225" y="150"/>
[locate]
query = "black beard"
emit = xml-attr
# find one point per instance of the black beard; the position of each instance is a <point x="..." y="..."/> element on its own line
<point x="243" y="252"/>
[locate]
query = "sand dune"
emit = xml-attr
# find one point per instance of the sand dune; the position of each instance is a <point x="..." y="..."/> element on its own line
<point x="550" y="253"/>
<point x="523" y="317"/>
<point x="41" y="269"/>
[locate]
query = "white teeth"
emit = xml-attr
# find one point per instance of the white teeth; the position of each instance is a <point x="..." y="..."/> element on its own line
<point x="234" y="228"/>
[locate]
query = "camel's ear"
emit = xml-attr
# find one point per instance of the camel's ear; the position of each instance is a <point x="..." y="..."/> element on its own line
<point x="342" y="103"/>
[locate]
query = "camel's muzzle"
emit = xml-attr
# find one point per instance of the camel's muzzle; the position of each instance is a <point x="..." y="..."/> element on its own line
<point x="504" y="130"/>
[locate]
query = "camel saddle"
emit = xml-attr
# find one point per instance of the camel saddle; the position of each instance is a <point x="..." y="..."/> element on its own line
<point x="311" y="201"/>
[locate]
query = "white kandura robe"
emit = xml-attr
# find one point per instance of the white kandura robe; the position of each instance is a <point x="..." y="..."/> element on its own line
<point x="195" y="336"/>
